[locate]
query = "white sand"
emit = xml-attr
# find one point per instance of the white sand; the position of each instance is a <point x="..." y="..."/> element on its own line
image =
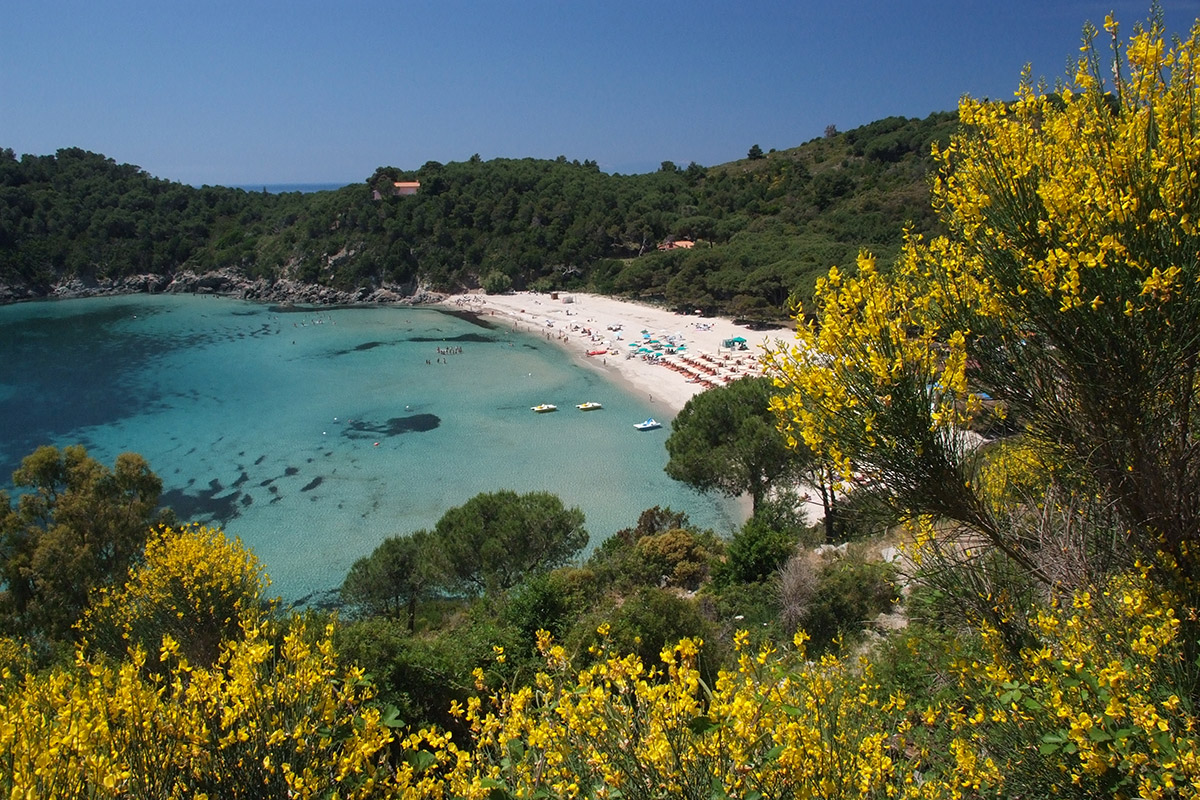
<point x="585" y="322"/>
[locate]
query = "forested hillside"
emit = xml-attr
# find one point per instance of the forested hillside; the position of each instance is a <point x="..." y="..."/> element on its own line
<point x="764" y="227"/>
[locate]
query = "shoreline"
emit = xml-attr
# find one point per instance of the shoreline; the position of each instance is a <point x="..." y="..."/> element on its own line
<point x="575" y="322"/>
<point x="683" y="354"/>
<point x="595" y="330"/>
<point x="579" y="323"/>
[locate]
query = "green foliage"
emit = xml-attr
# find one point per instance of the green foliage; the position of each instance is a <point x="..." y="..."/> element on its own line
<point x="754" y="607"/>
<point x="494" y="540"/>
<point x="653" y="619"/>
<point x="76" y="526"/>
<point x="550" y="601"/>
<point x="393" y="579"/>
<point x="496" y="282"/>
<point x="850" y="590"/>
<point x="768" y="226"/>
<point x="679" y="558"/>
<point x="419" y="676"/>
<point x="726" y="440"/>
<point x="760" y="548"/>
<point x="918" y="659"/>
<point x="663" y="549"/>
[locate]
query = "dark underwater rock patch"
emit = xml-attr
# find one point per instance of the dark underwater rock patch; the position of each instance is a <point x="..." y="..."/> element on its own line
<point x="465" y="337"/>
<point x="361" y="348"/>
<point x="396" y="426"/>
<point x="204" y="506"/>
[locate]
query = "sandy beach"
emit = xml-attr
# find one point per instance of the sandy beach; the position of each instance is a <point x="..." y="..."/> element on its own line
<point x="668" y="357"/>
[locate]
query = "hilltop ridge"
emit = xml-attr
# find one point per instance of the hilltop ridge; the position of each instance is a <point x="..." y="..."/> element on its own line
<point x="764" y="227"/>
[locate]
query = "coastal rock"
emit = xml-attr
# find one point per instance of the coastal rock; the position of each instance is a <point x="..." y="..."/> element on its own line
<point x="93" y="287"/>
<point x="225" y="282"/>
<point x="15" y="294"/>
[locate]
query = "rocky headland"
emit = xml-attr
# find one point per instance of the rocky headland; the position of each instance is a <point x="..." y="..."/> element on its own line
<point x="227" y="283"/>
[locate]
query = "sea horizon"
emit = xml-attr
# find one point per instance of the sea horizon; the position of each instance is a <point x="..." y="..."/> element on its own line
<point x="285" y="188"/>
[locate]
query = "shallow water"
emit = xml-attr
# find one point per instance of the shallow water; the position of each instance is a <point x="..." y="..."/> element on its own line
<point x="312" y="434"/>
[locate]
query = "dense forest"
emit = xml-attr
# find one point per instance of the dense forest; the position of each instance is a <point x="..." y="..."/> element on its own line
<point x="764" y="227"/>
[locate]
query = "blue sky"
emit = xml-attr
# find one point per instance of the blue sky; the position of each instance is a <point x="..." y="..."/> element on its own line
<point x="303" y="91"/>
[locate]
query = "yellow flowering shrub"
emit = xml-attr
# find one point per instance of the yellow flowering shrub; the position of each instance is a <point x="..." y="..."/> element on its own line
<point x="774" y="726"/>
<point x="14" y="657"/>
<point x="1096" y="709"/>
<point x="1065" y="293"/>
<point x="1100" y="706"/>
<point x="194" y="585"/>
<point x="276" y="715"/>
<point x="1013" y="473"/>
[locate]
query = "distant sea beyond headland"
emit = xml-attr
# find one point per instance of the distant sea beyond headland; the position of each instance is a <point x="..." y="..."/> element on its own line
<point x="284" y="188"/>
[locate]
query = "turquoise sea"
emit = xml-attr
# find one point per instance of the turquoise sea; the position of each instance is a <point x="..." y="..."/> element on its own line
<point x="314" y="433"/>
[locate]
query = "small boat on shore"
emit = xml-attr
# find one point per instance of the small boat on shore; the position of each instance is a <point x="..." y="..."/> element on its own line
<point x="544" y="407"/>
<point x="589" y="406"/>
<point x="648" y="425"/>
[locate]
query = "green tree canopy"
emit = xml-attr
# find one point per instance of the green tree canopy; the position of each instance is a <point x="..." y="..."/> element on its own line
<point x="491" y="542"/>
<point x="393" y="579"/>
<point x="77" y="525"/>
<point x="552" y="224"/>
<point x="726" y="440"/>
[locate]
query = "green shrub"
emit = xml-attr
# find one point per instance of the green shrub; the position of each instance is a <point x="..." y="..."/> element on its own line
<point x="834" y="595"/>
<point x="550" y="601"/>
<point x="758" y="551"/>
<point x="647" y="622"/>
<point x="496" y="282"/>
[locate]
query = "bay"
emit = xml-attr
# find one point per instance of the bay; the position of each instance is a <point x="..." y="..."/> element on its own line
<point x="314" y="433"/>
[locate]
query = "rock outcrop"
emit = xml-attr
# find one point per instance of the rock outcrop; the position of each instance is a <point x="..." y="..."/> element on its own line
<point x="226" y="282"/>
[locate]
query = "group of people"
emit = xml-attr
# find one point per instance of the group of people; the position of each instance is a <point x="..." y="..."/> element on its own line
<point x="446" y="351"/>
